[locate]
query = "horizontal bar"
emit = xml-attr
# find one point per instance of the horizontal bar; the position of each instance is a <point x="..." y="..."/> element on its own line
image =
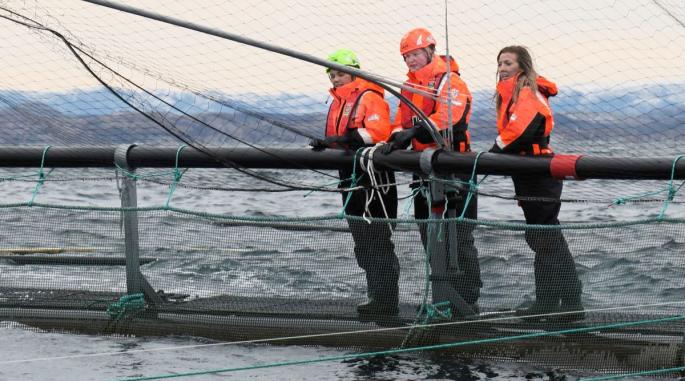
<point x="70" y="260"/>
<point x="587" y="167"/>
<point x="45" y="250"/>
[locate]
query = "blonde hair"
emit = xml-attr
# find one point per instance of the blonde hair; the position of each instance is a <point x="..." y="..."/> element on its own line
<point x="528" y="76"/>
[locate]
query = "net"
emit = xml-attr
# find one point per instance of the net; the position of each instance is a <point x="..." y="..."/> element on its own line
<point x="268" y="250"/>
<point x="297" y="282"/>
<point x="119" y="78"/>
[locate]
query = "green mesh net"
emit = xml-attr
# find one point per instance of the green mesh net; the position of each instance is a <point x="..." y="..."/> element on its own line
<point x="266" y="256"/>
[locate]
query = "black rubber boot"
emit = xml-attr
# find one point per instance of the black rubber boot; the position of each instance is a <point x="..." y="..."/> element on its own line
<point x="540" y="309"/>
<point x="571" y="291"/>
<point x="572" y="304"/>
<point x="375" y="308"/>
<point x="546" y="295"/>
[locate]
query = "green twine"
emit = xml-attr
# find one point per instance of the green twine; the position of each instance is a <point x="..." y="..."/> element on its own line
<point x="623" y="200"/>
<point x="41" y="176"/>
<point x="135" y="177"/>
<point x="130" y="174"/>
<point x="412" y="195"/>
<point x="437" y="311"/>
<point x="354" y="179"/>
<point x="415" y="349"/>
<point x="126" y="305"/>
<point x="443" y="309"/>
<point x="514" y="226"/>
<point x="425" y="306"/>
<point x="12" y="178"/>
<point x="177" y="177"/>
<point x="336" y="183"/>
<point x="671" y="191"/>
<point x="473" y="186"/>
<point x="426" y="271"/>
<point x="643" y="373"/>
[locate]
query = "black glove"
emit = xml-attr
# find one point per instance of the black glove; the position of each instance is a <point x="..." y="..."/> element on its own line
<point x="399" y="140"/>
<point x="422" y="134"/>
<point x="329" y="142"/>
<point x="317" y="144"/>
<point x="495" y="149"/>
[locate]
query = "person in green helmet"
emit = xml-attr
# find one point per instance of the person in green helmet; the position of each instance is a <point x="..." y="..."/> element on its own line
<point x="358" y="117"/>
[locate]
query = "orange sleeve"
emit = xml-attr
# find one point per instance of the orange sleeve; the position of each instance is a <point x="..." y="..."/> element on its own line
<point x="460" y="99"/>
<point x="397" y="123"/>
<point x="372" y="118"/>
<point x="522" y="119"/>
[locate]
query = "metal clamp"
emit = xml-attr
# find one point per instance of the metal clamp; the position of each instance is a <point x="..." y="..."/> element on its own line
<point x="121" y="155"/>
<point x="426" y="160"/>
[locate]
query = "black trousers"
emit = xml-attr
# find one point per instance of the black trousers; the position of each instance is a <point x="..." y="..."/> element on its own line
<point x="468" y="285"/>
<point x="373" y="246"/>
<point x="556" y="278"/>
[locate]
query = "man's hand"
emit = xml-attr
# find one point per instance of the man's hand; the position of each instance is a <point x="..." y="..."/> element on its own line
<point x="422" y="134"/>
<point x="399" y="140"/>
<point x="329" y="142"/>
<point x="495" y="149"/>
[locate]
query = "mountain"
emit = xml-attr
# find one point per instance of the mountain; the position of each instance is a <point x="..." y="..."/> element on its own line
<point x="623" y="115"/>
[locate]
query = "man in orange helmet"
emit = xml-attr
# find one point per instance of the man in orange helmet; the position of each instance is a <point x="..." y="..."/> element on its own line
<point x="443" y="96"/>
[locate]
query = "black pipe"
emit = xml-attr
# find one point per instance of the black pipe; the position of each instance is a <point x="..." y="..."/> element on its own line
<point x="659" y="168"/>
<point x="57" y="157"/>
<point x="587" y="167"/>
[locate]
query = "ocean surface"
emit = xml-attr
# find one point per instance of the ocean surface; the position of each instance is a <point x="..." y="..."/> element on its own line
<point x="615" y="271"/>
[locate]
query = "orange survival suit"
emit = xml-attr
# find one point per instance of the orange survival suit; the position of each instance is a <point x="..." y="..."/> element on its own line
<point x="360" y="115"/>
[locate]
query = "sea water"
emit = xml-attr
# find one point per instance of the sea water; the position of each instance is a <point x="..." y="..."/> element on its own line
<point x="30" y="354"/>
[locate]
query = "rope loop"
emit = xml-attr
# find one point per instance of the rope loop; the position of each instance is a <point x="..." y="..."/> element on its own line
<point x="178" y="174"/>
<point x="671" y="190"/>
<point x="126" y="306"/>
<point x="41" y="176"/>
<point x="473" y="186"/>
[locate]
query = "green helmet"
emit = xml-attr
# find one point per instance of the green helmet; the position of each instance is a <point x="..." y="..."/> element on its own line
<point x="343" y="57"/>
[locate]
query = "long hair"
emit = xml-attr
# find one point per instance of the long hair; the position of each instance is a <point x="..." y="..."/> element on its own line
<point x="528" y="76"/>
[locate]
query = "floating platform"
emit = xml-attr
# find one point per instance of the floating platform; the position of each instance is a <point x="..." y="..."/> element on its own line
<point x="335" y="323"/>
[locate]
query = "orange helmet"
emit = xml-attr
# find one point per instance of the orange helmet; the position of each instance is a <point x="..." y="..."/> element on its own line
<point x="416" y="39"/>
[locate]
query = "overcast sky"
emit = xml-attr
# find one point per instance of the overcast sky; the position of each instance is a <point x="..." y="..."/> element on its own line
<point x="579" y="43"/>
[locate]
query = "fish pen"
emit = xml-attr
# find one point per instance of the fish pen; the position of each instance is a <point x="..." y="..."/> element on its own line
<point x="195" y="171"/>
<point x="163" y="270"/>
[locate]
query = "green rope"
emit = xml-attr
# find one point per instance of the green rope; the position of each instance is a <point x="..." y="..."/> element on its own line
<point x="414" y="349"/>
<point x="354" y="179"/>
<point x="623" y="200"/>
<point x="442" y="310"/>
<point x="126" y="305"/>
<point x="412" y="195"/>
<point x="473" y="186"/>
<point x="41" y="176"/>
<point x="130" y="174"/>
<point x="644" y="373"/>
<point x="514" y="226"/>
<point x="135" y="176"/>
<point x="431" y="312"/>
<point x="437" y="311"/>
<point x="177" y="177"/>
<point x="12" y="178"/>
<point x="426" y="273"/>
<point x="671" y="191"/>
<point x="336" y="183"/>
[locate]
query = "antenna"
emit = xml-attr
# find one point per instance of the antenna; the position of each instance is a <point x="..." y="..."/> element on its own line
<point x="450" y="133"/>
